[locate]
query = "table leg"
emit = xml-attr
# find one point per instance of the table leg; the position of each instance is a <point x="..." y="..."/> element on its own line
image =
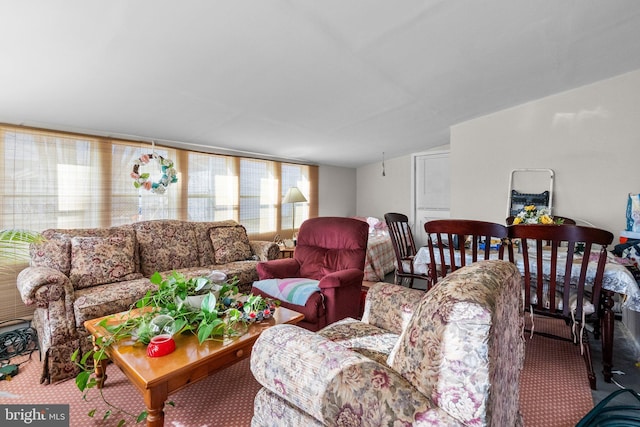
<point x="154" y="399"/>
<point x="100" y="367"/>
<point x="607" y="334"/>
<point x="100" y="370"/>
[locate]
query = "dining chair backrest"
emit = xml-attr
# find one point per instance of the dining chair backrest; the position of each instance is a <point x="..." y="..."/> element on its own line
<point x="556" y="258"/>
<point x="404" y="247"/>
<point x="454" y="243"/>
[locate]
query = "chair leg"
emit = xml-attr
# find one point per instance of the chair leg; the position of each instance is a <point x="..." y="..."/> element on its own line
<point x="587" y="360"/>
<point x="607" y="334"/>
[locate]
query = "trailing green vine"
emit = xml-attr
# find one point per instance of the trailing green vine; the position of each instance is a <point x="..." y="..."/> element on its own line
<point x="217" y="317"/>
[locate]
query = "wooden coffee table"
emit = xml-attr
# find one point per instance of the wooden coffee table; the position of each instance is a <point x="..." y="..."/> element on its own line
<point x="157" y="377"/>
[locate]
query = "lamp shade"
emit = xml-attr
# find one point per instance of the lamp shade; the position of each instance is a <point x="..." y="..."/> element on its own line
<point x="294" y="195"/>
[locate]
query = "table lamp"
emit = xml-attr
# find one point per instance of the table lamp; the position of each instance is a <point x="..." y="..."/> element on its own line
<point x="293" y="196"/>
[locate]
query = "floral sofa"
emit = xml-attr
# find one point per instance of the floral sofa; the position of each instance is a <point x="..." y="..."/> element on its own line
<point x="81" y="274"/>
<point x="448" y="357"/>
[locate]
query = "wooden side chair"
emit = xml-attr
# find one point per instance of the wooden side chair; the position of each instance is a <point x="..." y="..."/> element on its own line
<point x="454" y="243"/>
<point x="555" y="261"/>
<point x="405" y="249"/>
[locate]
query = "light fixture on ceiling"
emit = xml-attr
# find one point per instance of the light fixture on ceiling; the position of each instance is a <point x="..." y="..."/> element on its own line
<point x="293" y="196"/>
<point x="383" y="172"/>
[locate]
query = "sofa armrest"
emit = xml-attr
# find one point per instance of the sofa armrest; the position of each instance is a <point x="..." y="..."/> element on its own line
<point x="330" y="382"/>
<point x="278" y="268"/>
<point x="264" y="249"/>
<point x="42" y="285"/>
<point x="348" y="277"/>
<point x="389" y="306"/>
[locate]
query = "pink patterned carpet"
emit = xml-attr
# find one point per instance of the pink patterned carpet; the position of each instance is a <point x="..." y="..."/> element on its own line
<point x="223" y="399"/>
<point x="554" y="388"/>
<point x="554" y="391"/>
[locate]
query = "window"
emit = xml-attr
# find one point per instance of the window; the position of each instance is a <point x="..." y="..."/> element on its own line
<point x="213" y="187"/>
<point x="258" y="195"/>
<point x="64" y="180"/>
<point x="294" y="176"/>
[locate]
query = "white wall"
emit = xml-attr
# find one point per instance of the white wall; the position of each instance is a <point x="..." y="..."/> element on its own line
<point x="336" y="191"/>
<point x="589" y="136"/>
<point x="377" y="194"/>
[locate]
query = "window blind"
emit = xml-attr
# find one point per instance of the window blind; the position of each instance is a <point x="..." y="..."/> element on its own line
<point x="54" y="179"/>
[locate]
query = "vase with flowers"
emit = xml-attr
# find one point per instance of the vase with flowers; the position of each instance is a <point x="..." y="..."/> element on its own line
<point x="532" y="215"/>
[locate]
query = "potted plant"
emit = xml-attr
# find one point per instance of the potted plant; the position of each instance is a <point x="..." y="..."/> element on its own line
<point x="191" y="291"/>
<point x="13" y="245"/>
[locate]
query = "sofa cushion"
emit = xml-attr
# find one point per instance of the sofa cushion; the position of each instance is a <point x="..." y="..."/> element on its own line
<point x="391" y="307"/>
<point x="366" y="339"/>
<point x="230" y="244"/>
<point x="202" y="231"/>
<point x="99" y="260"/>
<point x="54" y="252"/>
<point x="166" y="245"/>
<point x="110" y="298"/>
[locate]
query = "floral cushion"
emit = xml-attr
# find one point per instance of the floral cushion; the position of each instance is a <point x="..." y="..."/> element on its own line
<point x="368" y="340"/>
<point x="390" y="306"/>
<point x="230" y="244"/>
<point x="54" y="252"/>
<point x="166" y="245"/>
<point x="99" y="260"/>
<point x="201" y="230"/>
<point x="107" y="299"/>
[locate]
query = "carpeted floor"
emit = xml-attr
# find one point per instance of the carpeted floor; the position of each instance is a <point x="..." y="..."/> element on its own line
<point x="554" y="388"/>
<point x="554" y="391"/>
<point x="223" y="399"/>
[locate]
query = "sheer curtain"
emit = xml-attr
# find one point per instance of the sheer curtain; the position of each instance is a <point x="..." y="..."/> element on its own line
<point x="56" y="179"/>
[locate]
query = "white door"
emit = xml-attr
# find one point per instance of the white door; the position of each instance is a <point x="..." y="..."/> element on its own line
<point x="431" y="192"/>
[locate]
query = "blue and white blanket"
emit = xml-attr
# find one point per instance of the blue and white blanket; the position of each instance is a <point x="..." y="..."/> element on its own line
<point x="295" y="290"/>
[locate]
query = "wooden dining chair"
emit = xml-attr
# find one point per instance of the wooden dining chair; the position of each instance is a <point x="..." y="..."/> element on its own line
<point x="555" y="262"/>
<point x="454" y="243"/>
<point x="405" y="249"/>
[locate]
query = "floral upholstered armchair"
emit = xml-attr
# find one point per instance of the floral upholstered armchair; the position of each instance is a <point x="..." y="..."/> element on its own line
<point x="448" y="357"/>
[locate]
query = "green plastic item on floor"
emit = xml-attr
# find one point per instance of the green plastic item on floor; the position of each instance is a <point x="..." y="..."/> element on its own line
<point x="8" y="371"/>
<point x="605" y="414"/>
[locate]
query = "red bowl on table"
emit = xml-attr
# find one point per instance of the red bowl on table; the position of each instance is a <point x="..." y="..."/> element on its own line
<point x="161" y="345"/>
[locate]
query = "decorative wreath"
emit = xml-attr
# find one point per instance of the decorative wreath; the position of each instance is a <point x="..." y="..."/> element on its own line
<point x="169" y="174"/>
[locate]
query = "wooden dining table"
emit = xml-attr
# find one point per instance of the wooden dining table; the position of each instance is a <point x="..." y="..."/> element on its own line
<point x="616" y="279"/>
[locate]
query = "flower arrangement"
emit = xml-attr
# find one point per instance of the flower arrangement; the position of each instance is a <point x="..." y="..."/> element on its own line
<point x="142" y="180"/>
<point x="532" y="215"/>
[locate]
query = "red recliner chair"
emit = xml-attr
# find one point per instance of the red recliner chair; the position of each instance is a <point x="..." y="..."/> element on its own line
<point x="323" y="280"/>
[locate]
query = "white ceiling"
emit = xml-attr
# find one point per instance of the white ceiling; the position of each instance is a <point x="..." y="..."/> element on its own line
<point x="334" y="82"/>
